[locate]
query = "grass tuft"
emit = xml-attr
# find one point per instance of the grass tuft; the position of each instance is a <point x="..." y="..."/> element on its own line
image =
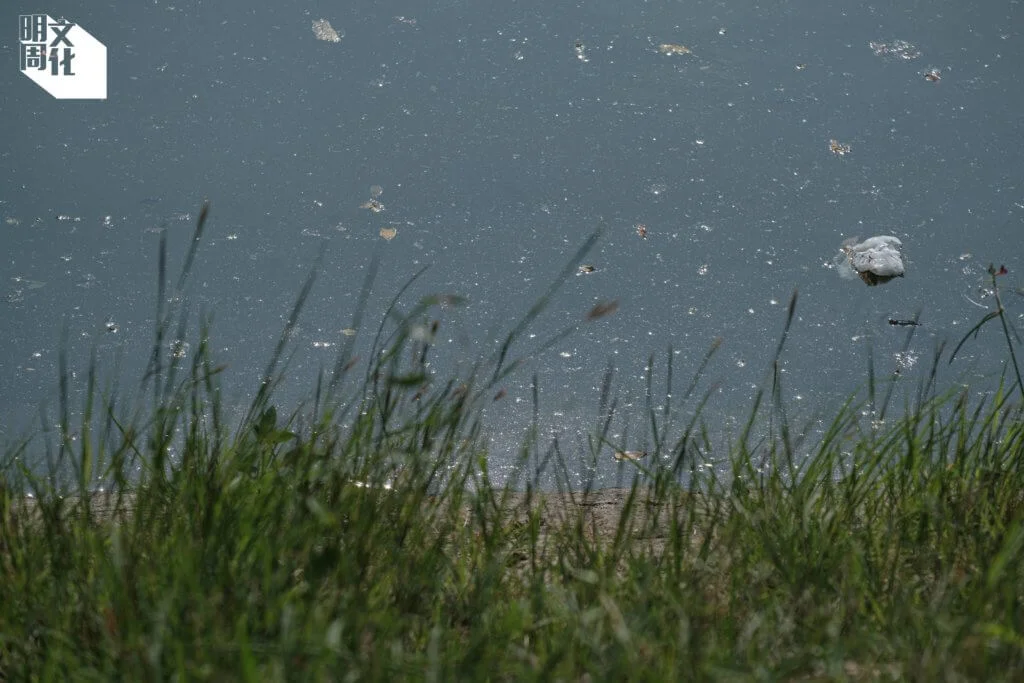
<point x="362" y="535"/>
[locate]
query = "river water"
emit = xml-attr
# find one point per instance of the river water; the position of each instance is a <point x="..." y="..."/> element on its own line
<point x="749" y="140"/>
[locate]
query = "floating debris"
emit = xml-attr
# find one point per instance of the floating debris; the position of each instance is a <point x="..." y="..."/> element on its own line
<point x="903" y="323"/>
<point x="373" y="203"/>
<point x="801" y="67"/>
<point x="179" y="349"/>
<point x="641" y="230"/>
<point x="64" y="218"/>
<point x="669" y="49"/>
<point x="581" y="51"/>
<point x="905" y="360"/>
<point x="388" y="233"/>
<point x="899" y="49"/>
<point x="629" y="455"/>
<point x="875" y="260"/>
<point x="838" y="148"/>
<point x="933" y="75"/>
<point x="323" y="30"/>
<point x="586" y="269"/>
<point x="348" y="332"/>
<point x="111" y="326"/>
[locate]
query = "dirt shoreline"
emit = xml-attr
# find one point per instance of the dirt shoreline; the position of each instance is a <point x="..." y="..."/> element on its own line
<point x="600" y="510"/>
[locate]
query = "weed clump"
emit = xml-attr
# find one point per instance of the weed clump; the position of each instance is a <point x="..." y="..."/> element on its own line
<point x="361" y="535"/>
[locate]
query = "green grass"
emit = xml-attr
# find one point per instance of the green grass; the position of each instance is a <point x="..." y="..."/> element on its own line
<point x="888" y="548"/>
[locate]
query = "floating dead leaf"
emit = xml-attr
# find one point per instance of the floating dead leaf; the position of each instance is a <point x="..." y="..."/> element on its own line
<point x="388" y="233"/>
<point x="602" y="309"/>
<point x="323" y="30"/>
<point x="629" y="455"/>
<point x="838" y="148"/>
<point x="500" y="395"/>
<point x="586" y="269"/>
<point x="641" y="230"/>
<point x="373" y="205"/>
<point x="801" y="67"/>
<point x="933" y="75"/>
<point x="348" y="332"/>
<point x="674" y="49"/>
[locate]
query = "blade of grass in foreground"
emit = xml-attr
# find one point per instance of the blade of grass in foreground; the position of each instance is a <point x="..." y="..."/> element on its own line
<point x="1007" y="326"/>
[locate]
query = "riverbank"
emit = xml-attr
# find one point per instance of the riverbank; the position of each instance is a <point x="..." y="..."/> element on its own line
<point x="361" y="536"/>
<point x="890" y="555"/>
